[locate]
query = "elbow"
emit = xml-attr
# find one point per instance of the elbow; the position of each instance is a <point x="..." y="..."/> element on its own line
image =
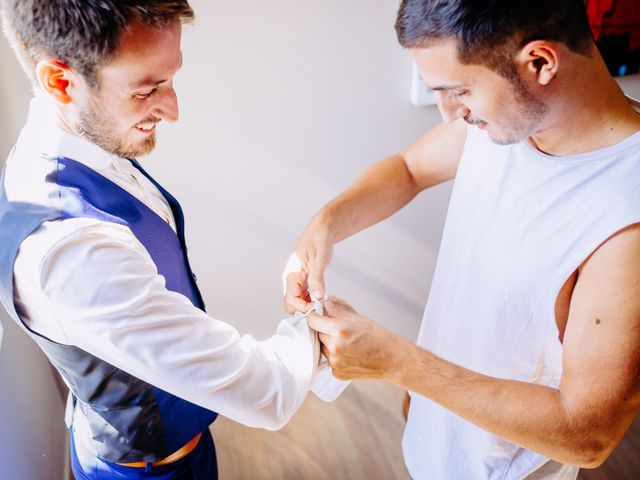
<point x="276" y="421"/>
<point x="276" y="424"/>
<point x="590" y="453"/>
<point x="591" y="462"/>
<point x="276" y="413"/>
<point x="265" y="418"/>
<point x="592" y="444"/>
<point x="589" y="436"/>
<point x="594" y="457"/>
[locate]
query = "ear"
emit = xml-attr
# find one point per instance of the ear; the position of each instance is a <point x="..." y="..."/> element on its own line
<point x="539" y="60"/>
<point x="54" y="78"/>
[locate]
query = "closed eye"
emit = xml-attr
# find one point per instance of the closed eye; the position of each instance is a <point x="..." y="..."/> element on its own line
<point x="143" y="95"/>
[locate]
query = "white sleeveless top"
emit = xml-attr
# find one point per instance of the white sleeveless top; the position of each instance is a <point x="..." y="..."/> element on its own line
<point x="519" y="224"/>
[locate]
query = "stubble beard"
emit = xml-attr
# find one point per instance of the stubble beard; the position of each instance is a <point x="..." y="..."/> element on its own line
<point x="97" y="126"/>
<point x="530" y="115"/>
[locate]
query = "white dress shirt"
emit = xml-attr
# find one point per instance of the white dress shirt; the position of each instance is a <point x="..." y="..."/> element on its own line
<point x="92" y="284"/>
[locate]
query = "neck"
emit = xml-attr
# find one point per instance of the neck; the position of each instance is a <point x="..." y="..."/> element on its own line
<point x="588" y="111"/>
<point x="55" y="112"/>
<point x="64" y="125"/>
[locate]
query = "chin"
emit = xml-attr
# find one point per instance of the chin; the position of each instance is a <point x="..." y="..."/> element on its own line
<point x="504" y="139"/>
<point x="140" y="148"/>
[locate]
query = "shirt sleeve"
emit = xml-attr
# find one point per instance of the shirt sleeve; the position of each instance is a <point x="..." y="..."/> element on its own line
<point x="324" y="385"/>
<point x="103" y="291"/>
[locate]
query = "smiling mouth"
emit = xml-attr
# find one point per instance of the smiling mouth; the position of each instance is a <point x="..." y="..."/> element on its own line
<point x="146" y="127"/>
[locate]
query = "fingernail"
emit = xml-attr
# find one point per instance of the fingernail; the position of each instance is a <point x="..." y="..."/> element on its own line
<point x="317" y="295"/>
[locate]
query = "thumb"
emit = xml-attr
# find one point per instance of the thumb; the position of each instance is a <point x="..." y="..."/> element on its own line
<point x="315" y="281"/>
<point x="321" y="324"/>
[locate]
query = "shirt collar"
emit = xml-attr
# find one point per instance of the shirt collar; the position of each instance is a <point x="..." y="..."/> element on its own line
<point x="51" y="140"/>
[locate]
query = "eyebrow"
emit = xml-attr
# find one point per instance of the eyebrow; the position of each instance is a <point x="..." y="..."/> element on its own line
<point x="148" y="82"/>
<point x="442" y="88"/>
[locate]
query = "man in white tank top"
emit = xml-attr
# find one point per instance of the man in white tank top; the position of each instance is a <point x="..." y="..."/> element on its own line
<point x="528" y="359"/>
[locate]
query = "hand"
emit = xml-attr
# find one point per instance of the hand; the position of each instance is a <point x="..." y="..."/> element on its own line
<point x="305" y="270"/>
<point x="356" y="347"/>
<point x="297" y="298"/>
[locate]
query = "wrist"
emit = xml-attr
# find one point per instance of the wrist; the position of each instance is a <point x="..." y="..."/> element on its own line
<point x="323" y="226"/>
<point x="399" y="356"/>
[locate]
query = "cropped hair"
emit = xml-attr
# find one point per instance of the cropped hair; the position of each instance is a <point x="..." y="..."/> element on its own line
<point x="83" y="34"/>
<point x="490" y="32"/>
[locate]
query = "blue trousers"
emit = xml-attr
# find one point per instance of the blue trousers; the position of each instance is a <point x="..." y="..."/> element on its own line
<point x="200" y="464"/>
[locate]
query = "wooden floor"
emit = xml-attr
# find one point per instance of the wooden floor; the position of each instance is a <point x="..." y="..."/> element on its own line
<point x="357" y="437"/>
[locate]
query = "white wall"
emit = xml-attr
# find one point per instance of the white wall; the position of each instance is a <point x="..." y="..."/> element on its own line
<point x="283" y="104"/>
<point x="630" y="85"/>
<point x="33" y="434"/>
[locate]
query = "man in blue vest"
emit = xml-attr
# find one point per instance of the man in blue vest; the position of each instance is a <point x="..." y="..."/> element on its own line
<point x="93" y="262"/>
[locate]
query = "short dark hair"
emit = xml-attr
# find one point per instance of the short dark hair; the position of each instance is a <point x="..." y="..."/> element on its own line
<point x="490" y="32"/>
<point x="84" y="34"/>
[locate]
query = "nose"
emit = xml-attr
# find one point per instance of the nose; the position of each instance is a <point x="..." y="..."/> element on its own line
<point x="166" y="106"/>
<point x="451" y="108"/>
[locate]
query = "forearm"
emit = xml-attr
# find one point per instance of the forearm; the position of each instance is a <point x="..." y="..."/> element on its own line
<point x="569" y="424"/>
<point x="388" y="185"/>
<point x="383" y="189"/>
<point x="121" y="312"/>
<point x="536" y="417"/>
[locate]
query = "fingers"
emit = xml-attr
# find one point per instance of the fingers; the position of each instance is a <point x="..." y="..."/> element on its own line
<point x="324" y="339"/>
<point x="316" y="281"/>
<point x="317" y="265"/>
<point x="326" y="353"/>
<point x="296" y="296"/>
<point x="324" y="326"/>
<point x="334" y="306"/>
<point x="335" y="363"/>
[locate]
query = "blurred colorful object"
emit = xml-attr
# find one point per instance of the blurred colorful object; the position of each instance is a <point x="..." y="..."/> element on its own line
<point x="616" y="27"/>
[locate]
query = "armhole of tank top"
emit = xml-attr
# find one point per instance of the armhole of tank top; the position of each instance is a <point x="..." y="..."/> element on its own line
<point x="635" y="103"/>
<point x="610" y="229"/>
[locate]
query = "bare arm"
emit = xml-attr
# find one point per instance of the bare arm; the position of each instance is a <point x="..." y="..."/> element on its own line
<point x="578" y="423"/>
<point x="383" y="189"/>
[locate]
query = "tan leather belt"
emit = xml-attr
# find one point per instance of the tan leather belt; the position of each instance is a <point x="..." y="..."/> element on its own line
<point x="174" y="457"/>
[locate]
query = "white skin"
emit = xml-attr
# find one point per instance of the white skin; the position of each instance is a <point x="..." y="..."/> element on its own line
<point x="580" y="422"/>
<point x="134" y="92"/>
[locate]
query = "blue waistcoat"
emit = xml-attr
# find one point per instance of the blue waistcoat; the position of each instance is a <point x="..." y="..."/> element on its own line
<point x="129" y="419"/>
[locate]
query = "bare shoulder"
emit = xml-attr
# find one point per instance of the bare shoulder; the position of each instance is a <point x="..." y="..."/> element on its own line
<point x="601" y="350"/>
<point x="615" y="267"/>
<point x="606" y="297"/>
<point x="434" y="158"/>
